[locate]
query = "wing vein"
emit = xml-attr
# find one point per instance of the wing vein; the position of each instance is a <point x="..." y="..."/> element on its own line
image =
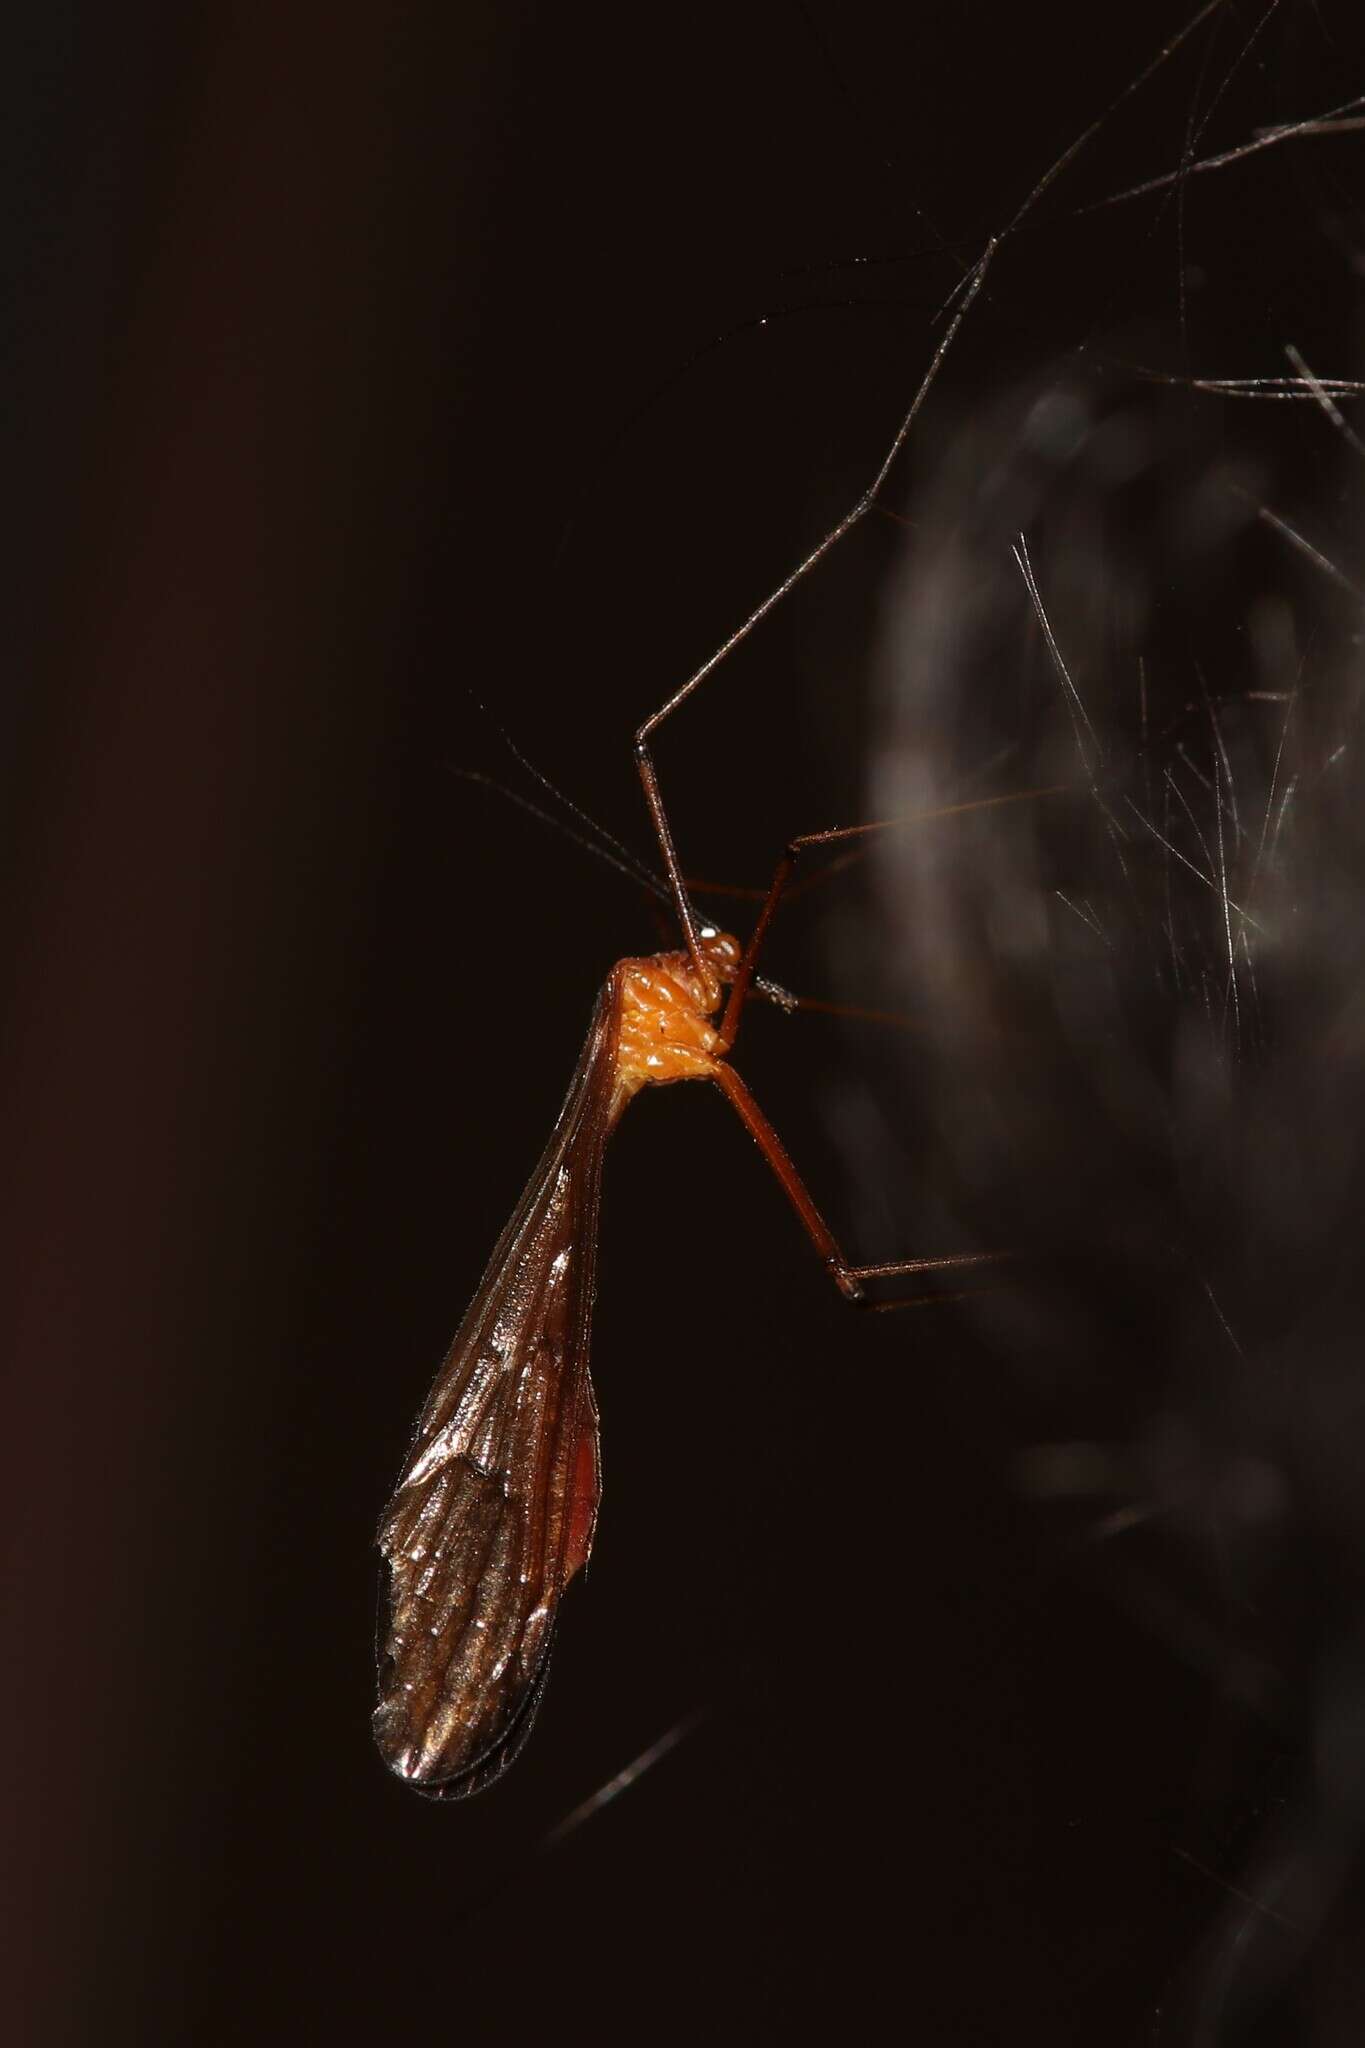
<point x="492" y="1515"/>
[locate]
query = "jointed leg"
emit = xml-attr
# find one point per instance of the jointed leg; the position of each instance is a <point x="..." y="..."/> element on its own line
<point x="847" y="1278"/>
<point x="644" y="760"/>
<point x="743" y="982"/>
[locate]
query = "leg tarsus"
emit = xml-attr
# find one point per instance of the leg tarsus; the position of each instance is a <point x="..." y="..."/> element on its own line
<point x="949" y="1262"/>
<point x="849" y="1281"/>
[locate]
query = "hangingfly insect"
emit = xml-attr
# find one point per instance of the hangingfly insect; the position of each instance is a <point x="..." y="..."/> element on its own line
<point x="497" y="1504"/>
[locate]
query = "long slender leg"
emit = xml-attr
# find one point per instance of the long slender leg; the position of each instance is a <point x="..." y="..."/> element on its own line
<point x="846" y="1277"/>
<point x="643" y="758"/>
<point x="782" y="874"/>
<point x="743" y="982"/>
<point x="968" y="288"/>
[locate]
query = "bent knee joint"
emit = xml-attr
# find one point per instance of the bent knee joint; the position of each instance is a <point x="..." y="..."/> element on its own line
<point x="846" y="1281"/>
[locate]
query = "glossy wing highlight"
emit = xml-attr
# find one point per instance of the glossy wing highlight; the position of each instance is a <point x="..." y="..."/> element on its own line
<point x="495" y="1509"/>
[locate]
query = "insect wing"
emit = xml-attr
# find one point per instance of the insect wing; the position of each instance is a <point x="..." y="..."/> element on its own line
<point x="494" y="1512"/>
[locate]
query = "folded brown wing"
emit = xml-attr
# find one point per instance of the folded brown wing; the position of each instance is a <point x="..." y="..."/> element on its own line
<point x="494" y="1512"/>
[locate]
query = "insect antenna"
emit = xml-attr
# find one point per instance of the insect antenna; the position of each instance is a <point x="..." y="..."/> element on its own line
<point x="624" y="863"/>
<point x="620" y="856"/>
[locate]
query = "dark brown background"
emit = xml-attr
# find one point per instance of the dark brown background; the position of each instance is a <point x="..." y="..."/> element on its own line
<point x="361" y="361"/>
